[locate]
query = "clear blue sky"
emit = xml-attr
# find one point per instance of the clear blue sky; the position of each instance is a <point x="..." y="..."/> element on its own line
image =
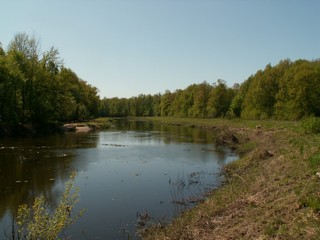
<point x="128" y="47"/>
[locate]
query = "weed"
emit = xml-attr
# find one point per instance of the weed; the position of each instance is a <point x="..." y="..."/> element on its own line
<point x="38" y="222"/>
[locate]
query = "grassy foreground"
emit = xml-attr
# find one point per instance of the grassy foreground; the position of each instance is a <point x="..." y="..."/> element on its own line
<point x="272" y="192"/>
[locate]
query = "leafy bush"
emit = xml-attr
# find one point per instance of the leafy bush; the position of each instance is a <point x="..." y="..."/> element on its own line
<point x="311" y="125"/>
<point x="37" y="222"/>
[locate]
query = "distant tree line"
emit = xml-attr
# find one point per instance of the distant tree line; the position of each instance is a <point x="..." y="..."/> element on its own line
<point x="36" y="88"/>
<point x="197" y="101"/>
<point x="288" y="91"/>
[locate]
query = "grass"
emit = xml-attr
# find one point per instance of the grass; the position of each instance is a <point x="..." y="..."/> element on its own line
<point x="272" y="192"/>
<point x="314" y="161"/>
<point x="96" y="124"/>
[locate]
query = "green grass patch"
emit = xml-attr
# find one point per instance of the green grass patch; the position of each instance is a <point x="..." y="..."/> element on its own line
<point x="314" y="162"/>
<point x="246" y="147"/>
<point x="100" y="123"/>
<point x="312" y="202"/>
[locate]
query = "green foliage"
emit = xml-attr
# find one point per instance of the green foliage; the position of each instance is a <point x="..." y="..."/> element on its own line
<point x="220" y="100"/>
<point x="36" y="88"/>
<point x="314" y="161"/>
<point x="201" y="99"/>
<point x="37" y="222"/>
<point x="312" y="202"/>
<point x="299" y="91"/>
<point x="260" y="98"/>
<point x="287" y="91"/>
<point x="196" y="101"/>
<point x="311" y="199"/>
<point x="311" y="125"/>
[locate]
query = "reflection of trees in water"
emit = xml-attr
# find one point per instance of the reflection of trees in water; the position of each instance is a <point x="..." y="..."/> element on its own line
<point x="172" y="133"/>
<point x="169" y="133"/>
<point x="128" y="125"/>
<point x="29" y="175"/>
<point x="33" y="166"/>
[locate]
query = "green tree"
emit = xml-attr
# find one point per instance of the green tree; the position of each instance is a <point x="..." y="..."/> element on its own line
<point x="220" y="99"/>
<point x="80" y="97"/>
<point x="51" y="61"/>
<point x="166" y="103"/>
<point x="201" y="98"/>
<point x="237" y="101"/>
<point x="179" y="104"/>
<point x="299" y="91"/>
<point x="36" y="88"/>
<point x="183" y="102"/>
<point x="11" y="87"/>
<point x="24" y="52"/>
<point x="156" y="100"/>
<point x="261" y="95"/>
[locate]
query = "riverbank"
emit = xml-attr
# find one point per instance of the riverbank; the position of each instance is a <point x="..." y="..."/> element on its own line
<point x="23" y="130"/>
<point x="272" y="192"/>
<point x="94" y="125"/>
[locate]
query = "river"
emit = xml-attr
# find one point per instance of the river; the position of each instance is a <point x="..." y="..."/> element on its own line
<point x="134" y="169"/>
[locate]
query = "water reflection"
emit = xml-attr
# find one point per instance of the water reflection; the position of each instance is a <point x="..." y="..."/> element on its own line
<point x="31" y="166"/>
<point x="132" y="169"/>
<point x="167" y="133"/>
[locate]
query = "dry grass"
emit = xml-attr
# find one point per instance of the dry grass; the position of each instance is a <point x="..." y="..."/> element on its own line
<point x="271" y="193"/>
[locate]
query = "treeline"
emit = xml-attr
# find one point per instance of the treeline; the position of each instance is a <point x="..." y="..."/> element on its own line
<point x="198" y="101"/>
<point x="36" y="88"/>
<point x="289" y="90"/>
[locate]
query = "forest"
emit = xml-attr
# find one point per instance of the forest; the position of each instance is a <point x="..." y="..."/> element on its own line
<point x="286" y="91"/>
<point x="36" y="89"/>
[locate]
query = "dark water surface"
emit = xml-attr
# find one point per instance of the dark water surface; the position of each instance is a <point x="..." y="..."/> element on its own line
<point x="134" y="169"/>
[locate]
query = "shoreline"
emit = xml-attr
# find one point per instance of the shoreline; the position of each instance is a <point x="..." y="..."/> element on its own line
<point x="271" y="192"/>
<point x="29" y="130"/>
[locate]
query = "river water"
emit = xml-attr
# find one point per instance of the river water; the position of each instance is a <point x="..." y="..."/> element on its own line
<point x="133" y="170"/>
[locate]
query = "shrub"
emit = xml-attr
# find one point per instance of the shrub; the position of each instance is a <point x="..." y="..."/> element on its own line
<point x="37" y="222"/>
<point x="311" y="125"/>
